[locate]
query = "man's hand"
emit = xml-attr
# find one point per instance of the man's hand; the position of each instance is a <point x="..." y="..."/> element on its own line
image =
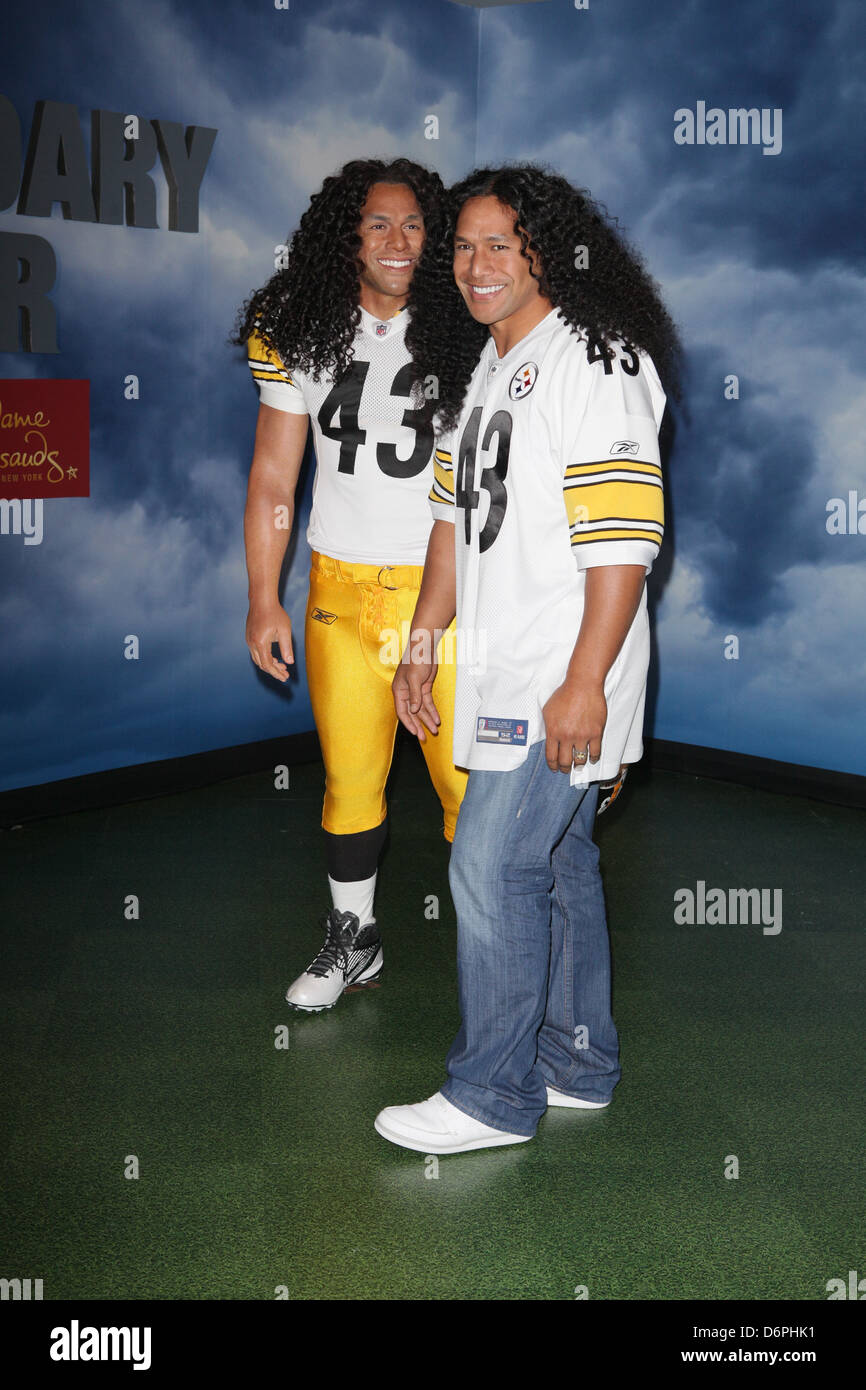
<point x="576" y="713"/>
<point x="412" y="689"/>
<point x="574" y="720"/>
<point x="267" y="624"/>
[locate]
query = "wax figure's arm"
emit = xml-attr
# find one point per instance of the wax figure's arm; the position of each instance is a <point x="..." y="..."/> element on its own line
<point x="576" y="713"/>
<point x="434" y="611"/>
<point x="279" y="450"/>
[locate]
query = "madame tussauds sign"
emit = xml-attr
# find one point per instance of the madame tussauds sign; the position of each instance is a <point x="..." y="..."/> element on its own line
<point x="44" y="438"/>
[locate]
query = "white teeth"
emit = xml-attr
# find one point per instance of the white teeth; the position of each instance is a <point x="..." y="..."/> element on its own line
<point x="486" y="289"/>
<point x="398" y="265"/>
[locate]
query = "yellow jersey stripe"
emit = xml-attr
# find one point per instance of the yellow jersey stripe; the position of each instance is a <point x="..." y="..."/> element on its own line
<point x="270" y="374"/>
<point x="587" y="537"/>
<point x="264" y="363"/>
<point x="444" y="477"/>
<point x="640" y="502"/>
<point x="627" y="465"/>
<point x="438" y="494"/>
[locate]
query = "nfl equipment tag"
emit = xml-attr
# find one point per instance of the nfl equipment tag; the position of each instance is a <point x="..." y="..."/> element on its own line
<point x="500" y="730"/>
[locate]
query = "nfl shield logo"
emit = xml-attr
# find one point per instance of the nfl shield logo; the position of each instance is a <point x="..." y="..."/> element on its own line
<point x="523" y="381"/>
<point x="381" y="330"/>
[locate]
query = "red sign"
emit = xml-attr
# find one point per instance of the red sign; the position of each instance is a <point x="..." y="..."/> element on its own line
<point x="44" y="438"/>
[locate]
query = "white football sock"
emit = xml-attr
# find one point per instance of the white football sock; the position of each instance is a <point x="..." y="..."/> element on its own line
<point x="354" y="897"/>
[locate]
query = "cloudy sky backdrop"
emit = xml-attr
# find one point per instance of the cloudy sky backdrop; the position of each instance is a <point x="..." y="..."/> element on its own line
<point x="760" y="259"/>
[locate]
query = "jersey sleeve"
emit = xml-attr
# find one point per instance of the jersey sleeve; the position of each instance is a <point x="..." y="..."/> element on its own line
<point x="278" y="387"/>
<point x="612" y="483"/>
<point x="441" y="495"/>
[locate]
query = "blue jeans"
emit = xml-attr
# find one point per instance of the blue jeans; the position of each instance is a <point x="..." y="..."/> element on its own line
<point x="533" y="953"/>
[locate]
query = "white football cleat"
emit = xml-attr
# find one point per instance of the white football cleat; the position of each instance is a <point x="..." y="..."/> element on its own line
<point x="351" y="955"/>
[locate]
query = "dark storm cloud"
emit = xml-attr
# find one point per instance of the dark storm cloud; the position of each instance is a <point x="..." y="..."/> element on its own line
<point x="736" y="488"/>
<point x="618" y="72"/>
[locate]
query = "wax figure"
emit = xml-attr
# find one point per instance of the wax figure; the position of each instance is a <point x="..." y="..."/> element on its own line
<point x="327" y="345"/>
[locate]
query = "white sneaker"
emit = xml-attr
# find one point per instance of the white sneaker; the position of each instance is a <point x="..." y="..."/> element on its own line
<point x="573" y="1102"/>
<point x="351" y="956"/>
<point x="435" y="1126"/>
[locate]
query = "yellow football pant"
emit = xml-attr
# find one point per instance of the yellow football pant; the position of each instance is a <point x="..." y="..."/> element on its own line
<point x="357" y="623"/>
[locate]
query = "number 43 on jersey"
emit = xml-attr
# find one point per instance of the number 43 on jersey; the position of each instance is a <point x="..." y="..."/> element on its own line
<point x="342" y="405"/>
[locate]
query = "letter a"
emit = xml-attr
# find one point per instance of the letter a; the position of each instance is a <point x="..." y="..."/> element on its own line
<point x="684" y="912"/>
<point x="837" y="521"/>
<point x="684" y="129"/>
<point x="59" y="1349"/>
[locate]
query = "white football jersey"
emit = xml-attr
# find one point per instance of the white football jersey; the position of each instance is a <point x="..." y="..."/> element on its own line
<point x="374" y="456"/>
<point x="555" y="470"/>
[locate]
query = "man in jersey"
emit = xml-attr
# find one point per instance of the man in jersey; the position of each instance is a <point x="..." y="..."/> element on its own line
<point x="327" y="344"/>
<point x="546" y="527"/>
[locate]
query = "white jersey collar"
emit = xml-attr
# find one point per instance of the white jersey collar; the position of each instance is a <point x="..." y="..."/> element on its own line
<point x="384" y="328"/>
<point x="520" y="348"/>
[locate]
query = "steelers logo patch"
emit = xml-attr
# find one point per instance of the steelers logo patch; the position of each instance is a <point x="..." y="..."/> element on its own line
<point x="523" y="381"/>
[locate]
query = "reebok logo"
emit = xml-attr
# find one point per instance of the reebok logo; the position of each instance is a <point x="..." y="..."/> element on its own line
<point x="624" y="446"/>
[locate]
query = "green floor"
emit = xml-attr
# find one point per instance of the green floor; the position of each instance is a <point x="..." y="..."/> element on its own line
<point x="259" y="1167"/>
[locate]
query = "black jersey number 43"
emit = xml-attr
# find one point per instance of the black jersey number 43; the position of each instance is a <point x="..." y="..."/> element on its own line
<point x="343" y="403"/>
<point x="491" y="479"/>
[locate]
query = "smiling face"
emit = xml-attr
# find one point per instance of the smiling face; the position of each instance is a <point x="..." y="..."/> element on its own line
<point x="392" y="239"/>
<point x="496" y="281"/>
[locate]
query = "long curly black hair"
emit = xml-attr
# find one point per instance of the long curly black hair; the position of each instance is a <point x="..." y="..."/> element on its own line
<point x="309" y="311"/>
<point x="614" y="297"/>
